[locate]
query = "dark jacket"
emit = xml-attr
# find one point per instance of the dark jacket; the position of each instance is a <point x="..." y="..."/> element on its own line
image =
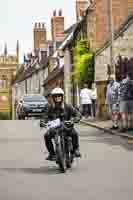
<point x="126" y="90"/>
<point x="64" y="113"/>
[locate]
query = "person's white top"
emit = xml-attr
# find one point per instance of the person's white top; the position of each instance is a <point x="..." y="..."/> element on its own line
<point x="85" y="96"/>
<point x="94" y="94"/>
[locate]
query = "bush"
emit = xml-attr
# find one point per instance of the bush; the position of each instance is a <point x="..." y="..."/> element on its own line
<point x="4" y="116"/>
<point x="84" y="62"/>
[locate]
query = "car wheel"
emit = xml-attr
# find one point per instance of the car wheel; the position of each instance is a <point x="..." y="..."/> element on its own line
<point x="23" y="117"/>
<point x="19" y="117"/>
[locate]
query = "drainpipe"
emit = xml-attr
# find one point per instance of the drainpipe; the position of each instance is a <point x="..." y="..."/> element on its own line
<point x="78" y="97"/>
<point x="67" y="75"/>
<point x="111" y="33"/>
<point x="26" y="86"/>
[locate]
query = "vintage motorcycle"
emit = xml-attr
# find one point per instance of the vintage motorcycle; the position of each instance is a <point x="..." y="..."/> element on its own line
<point x="62" y="142"/>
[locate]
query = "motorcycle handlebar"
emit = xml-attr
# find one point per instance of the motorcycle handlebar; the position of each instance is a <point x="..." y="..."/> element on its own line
<point x="72" y="121"/>
<point x="66" y="122"/>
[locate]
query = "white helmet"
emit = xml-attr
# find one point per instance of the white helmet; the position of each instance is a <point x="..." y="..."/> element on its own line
<point x="57" y="91"/>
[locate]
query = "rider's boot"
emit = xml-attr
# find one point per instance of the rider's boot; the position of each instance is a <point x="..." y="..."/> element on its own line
<point x="51" y="157"/>
<point x="50" y="148"/>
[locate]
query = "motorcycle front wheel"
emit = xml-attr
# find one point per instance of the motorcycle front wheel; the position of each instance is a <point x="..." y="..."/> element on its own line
<point x="60" y="156"/>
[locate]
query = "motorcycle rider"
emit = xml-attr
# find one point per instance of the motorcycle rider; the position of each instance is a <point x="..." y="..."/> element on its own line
<point x="59" y="109"/>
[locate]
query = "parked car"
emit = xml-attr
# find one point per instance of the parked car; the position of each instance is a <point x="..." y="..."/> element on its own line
<point x="31" y="106"/>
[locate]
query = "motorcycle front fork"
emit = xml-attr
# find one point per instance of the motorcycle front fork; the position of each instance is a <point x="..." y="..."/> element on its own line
<point x="67" y="146"/>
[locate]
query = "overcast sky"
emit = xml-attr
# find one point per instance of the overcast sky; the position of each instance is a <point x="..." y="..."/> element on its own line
<point x="17" y="18"/>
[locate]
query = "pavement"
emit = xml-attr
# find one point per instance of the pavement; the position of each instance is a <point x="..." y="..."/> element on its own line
<point x="106" y="126"/>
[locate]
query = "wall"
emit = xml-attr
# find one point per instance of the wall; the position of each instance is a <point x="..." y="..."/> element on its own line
<point x="98" y="19"/>
<point x="123" y="46"/>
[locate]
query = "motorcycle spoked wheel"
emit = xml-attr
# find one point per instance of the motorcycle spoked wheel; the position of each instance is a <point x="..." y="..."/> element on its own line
<point x="60" y="156"/>
<point x="69" y="160"/>
<point x="69" y="156"/>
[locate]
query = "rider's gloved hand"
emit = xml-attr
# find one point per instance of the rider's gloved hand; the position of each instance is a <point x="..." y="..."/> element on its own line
<point x="42" y="124"/>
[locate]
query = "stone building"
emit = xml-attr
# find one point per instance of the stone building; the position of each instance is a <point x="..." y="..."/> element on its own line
<point x="29" y="78"/>
<point x="8" y="67"/>
<point x="123" y="46"/>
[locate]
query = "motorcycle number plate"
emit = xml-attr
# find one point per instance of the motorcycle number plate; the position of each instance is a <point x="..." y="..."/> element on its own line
<point x="54" y="124"/>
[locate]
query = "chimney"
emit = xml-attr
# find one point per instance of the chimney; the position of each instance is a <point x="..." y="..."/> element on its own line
<point x="81" y="6"/>
<point x="57" y="27"/>
<point x="40" y="35"/>
<point x="60" y="12"/>
<point x="54" y="13"/>
<point x="130" y="6"/>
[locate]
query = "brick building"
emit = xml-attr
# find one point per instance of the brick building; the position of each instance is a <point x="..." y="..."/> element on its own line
<point x="98" y="18"/>
<point x="99" y="33"/>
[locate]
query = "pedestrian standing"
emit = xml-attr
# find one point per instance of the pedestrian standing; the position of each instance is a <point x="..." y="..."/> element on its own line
<point x="126" y="102"/>
<point x="93" y="99"/>
<point x="85" y="101"/>
<point x="113" y="101"/>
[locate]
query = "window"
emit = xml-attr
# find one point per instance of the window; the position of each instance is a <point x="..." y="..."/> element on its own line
<point x="3" y="82"/>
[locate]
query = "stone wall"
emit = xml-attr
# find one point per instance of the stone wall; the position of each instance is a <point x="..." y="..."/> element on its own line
<point x="123" y="45"/>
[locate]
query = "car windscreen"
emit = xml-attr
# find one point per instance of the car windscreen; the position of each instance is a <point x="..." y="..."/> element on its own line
<point x="34" y="99"/>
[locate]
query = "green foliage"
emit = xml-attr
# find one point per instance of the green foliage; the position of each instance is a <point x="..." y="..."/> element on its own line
<point x="84" y="63"/>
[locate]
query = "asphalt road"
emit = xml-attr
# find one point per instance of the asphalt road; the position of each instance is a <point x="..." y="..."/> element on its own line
<point x="105" y="171"/>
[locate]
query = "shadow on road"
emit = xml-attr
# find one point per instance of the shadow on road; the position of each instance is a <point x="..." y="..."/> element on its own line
<point x="41" y="170"/>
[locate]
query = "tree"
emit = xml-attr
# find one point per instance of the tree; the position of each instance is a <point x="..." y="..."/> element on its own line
<point x="83" y="62"/>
